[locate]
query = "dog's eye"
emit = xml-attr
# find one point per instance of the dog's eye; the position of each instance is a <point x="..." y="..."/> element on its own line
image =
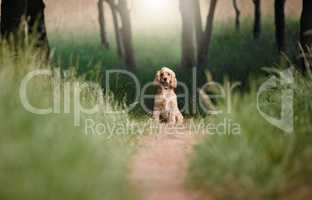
<point x="162" y="74"/>
<point x="168" y="74"/>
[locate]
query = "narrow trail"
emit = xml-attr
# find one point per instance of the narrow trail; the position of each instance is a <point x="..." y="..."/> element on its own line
<point x="160" y="166"/>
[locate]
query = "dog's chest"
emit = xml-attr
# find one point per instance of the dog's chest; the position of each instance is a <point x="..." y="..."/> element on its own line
<point x="165" y="101"/>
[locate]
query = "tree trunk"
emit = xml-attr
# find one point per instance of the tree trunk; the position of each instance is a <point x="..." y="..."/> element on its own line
<point x="126" y="35"/>
<point x="12" y="12"/>
<point x="280" y="25"/>
<point x="237" y="15"/>
<point x="123" y="33"/>
<point x="36" y="21"/>
<point x="204" y="53"/>
<point x="33" y="10"/>
<point x="198" y="24"/>
<point x="117" y="29"/>
<point x="257" y="19"/>
<point x="306" y="34"/>
<point x="204" y="50"/>
<point x="104" y="41"/>
<point x="188" y="49"/>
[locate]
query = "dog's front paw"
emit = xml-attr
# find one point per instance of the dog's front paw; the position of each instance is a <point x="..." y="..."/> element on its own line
<point x="180" y="119"/>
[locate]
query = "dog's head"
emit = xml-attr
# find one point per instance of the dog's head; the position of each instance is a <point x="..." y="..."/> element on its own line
<point x="166" y="78"/>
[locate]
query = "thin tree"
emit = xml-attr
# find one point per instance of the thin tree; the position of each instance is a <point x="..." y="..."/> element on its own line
<point x="196" y="55"/>
<point x="306" y="34"/>
<point x="237" y="15"/>
<point x="280" y="32"/>
<point x="257" y="19"/>
<point x="198" y="24"/>
<point x="192" y="23"/>
<point x="123" y="31"/>
<point x="102" y="23"/>
<point x="117" y="30"/>
<point x="204" y="50"/>
<point x="126" y="34"/>
<point x="207" y="36"/>
<point x="188" y="48"/>
<point x="14" y="13"/>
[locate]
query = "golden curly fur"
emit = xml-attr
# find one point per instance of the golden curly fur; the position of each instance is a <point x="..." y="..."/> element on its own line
<point x="165" y="103"/>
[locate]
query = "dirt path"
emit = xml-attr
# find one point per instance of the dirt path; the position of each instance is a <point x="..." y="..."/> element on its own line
<point x="159" y="168"/>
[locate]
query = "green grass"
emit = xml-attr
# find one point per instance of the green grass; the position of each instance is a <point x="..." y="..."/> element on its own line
<point x="46" y="156"/>
<point x="262" y="162"/>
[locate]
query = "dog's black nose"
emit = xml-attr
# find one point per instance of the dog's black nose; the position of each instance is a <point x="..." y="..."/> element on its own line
<point x="165" y="79"/>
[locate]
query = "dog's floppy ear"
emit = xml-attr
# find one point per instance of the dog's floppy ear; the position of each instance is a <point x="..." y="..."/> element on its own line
<point x="157" y="78"/>
<point x="173" y="81"/>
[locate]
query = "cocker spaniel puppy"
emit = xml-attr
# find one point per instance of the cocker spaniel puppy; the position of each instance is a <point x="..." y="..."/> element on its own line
<point x="165" y="103"/>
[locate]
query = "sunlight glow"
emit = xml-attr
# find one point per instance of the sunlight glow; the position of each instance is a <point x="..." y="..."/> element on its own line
<point x="155" y="6"/>
<point x="155" y="14"/>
